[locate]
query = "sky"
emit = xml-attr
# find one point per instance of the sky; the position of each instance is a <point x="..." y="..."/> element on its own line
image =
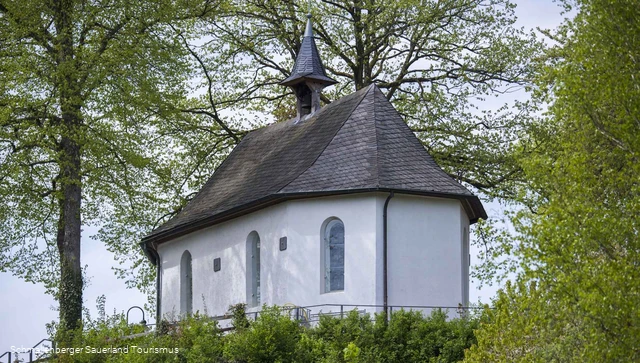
<point x="25" y="308"/>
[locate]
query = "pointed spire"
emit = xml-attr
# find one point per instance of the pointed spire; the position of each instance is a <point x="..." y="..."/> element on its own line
<point x="308" y="76"/>
<point x="308" y="32"/>
<point x="308" y="65"/>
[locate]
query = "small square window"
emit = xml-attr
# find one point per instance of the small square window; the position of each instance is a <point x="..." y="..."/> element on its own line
<point x="283" y="243"/>
<point x="216" y="264"/>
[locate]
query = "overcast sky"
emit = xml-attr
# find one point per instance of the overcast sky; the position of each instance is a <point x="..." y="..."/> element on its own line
<point x="25" y="308"/>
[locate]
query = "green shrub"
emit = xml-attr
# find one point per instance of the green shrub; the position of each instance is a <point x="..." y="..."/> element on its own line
<point x="408" y="336"/>
<point x="274" y="337"/>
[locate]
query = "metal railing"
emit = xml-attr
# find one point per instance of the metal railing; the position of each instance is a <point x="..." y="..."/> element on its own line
<point x="310" y="314"/>
<point x="340" y="309"/>
<point x="31" y="358"/>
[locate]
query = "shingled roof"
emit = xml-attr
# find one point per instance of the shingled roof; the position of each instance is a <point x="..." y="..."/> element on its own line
<point x="356" y="144"/>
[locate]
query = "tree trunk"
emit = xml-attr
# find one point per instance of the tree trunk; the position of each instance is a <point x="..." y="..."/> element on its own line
<point x="69" y="161"/>
<point x="69" y="226"/>
<point x="358" y="71"/>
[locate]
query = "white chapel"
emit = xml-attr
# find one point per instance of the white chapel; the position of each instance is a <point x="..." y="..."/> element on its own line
<point x="340" y="205"/>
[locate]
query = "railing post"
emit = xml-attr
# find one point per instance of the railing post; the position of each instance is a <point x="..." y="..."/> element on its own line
<point x="30" y="355"/>
<point x="341" y="311"/>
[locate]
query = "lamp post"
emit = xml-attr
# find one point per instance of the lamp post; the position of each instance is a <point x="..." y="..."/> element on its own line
<point x="143" y="322"/>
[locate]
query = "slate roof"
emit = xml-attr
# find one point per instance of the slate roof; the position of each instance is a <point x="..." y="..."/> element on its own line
<point x="308" y="64"/>
<point x="356" y="144"/>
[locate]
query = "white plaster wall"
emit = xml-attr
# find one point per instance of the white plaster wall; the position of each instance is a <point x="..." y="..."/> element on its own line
<point x="425" y="248"/>
<point x="298" y="277"/>
<point x="425" y="255"/>
<point x="290" y="276"/>
<point x="215" y="291"/>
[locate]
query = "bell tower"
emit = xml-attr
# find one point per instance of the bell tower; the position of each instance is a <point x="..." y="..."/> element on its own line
<point x="308" y="76"/>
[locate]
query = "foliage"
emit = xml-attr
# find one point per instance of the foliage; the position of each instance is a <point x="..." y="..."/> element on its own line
<point x="275" y="337"/>
<point x="578" y="294"/>
<point x="193" y="339"/>
<point x="91" y="133"/>
<point x="239" y="318"/>
<point x="437" y="61"/>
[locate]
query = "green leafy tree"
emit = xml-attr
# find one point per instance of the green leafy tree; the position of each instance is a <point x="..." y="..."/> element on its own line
<point x="89" y="131"/>
<point x="435" y="60"/>
<point x="577" y="296"/>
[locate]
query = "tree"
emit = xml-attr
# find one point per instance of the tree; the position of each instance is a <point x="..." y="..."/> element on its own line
<point x="577" y="295"/>
<point x="87" y="129"/>
<point x="435" y="60"/>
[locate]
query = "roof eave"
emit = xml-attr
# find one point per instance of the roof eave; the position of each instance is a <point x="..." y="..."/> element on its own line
<point x="471" y="204"/>
<point x="326" y="81"/>
<point x="147" y="251"/>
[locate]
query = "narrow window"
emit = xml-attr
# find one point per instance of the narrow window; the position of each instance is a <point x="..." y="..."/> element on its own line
<point x="186" y="284"/>
<point x="334" y="256"/>
<point x="253" y="269"/>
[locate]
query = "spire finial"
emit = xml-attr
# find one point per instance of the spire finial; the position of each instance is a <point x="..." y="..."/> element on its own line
<point x="309" y="30"/>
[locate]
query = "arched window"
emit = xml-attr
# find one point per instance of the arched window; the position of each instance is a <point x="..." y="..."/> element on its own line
<point x="186" y="284"/>
<point x="253" y="269"/>
<point x="333" y="256"/>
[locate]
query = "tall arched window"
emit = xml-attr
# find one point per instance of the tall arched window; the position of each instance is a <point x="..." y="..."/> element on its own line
<point x="333" y="256"/>
<point x="186" y="284"/>
<point x="253" y="269"/>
